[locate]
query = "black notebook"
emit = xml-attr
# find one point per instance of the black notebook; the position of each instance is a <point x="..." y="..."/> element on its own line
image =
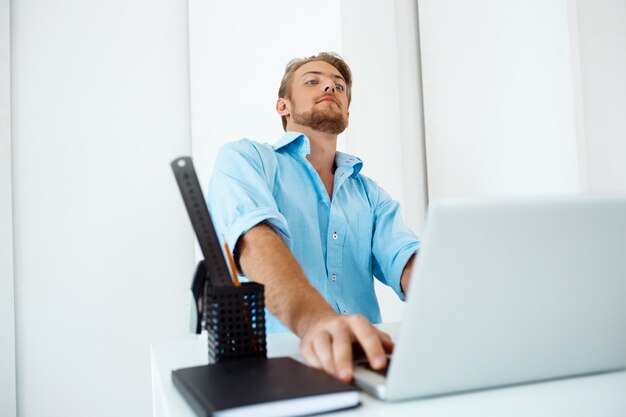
<point x="262" y="387"/>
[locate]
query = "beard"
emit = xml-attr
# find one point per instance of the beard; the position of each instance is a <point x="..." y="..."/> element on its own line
<point x="323" y="120"/>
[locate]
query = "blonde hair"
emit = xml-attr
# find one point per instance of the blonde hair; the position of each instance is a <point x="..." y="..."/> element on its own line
<point x="331" y="58"/>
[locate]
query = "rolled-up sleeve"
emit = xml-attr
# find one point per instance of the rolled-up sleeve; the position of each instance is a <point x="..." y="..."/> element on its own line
<point x="393" y="242"/>
<point x="239" y="195"/>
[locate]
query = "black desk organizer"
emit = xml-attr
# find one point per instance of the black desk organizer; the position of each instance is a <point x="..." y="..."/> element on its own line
<point x="233" y="316"/>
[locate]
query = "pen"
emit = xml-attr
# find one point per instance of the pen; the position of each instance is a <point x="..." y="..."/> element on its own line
<point x="231" y="261"/>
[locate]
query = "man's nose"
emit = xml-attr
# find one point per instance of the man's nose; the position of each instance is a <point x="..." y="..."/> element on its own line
<point x="330" y="87"/>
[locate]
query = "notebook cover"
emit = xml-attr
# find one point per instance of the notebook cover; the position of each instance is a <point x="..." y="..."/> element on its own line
<point x="223" y="386"/>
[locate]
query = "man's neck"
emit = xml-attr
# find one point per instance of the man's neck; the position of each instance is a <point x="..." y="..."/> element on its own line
<point x="323" y="148"/>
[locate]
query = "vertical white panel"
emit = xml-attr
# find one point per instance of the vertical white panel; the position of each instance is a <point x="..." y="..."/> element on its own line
<point x="577" y="95"/>
<point x="602" y="37"/>
<point x="369" y="39"/>
<point x="411" y="113"/>
<point x="103" y="247"/>
<point x="381" y="44"/>
<point x="7" y="309"/>
<point x="498" y="97"/>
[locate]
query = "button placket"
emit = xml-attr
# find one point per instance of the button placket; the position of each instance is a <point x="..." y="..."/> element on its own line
<point x="335" y="237"/>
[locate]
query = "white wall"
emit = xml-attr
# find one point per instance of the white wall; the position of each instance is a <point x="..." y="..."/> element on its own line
<point x="7" y="316"/>
<point x="499" y="98"/>
<point x="103" y="247"/>
<point x="602" y="40"/>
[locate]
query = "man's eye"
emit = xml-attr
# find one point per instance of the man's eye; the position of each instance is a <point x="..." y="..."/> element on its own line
<point x="339" y="87"/>
<point x="312" y="82"/>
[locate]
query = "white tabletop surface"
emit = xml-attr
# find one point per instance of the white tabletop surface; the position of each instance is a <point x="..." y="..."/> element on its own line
<point x="597" y="395"/>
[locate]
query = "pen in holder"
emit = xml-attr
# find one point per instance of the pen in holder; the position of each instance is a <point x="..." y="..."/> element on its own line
<point x="234" y="317"/>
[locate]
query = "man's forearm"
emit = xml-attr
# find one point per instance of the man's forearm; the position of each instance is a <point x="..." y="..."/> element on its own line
<point x="289" y="296"/>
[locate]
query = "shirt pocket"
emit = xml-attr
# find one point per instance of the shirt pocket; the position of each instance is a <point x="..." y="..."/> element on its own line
<point x="365" y="228"/>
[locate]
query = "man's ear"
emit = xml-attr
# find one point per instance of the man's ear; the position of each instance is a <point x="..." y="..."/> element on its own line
<point x="283" y="107"/>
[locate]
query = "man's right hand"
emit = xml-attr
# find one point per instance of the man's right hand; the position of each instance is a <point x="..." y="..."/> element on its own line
<point x="329" y="344"/>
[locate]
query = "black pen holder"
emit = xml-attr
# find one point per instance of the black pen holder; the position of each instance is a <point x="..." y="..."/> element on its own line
<point x="235" y="319"/>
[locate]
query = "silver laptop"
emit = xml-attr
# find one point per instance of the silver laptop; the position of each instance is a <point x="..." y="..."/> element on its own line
<point x="511" y="291"/>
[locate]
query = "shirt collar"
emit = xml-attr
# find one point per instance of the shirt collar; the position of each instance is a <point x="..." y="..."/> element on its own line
<point x="297" y="139"/>
<point x="299" y="142"/>
<point x="351" y="161"/>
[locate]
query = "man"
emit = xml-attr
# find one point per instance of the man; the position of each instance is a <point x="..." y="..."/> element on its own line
<point x="305" y="223"/>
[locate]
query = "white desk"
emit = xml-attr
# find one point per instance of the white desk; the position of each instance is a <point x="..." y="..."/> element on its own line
<point x="599" y="395"/>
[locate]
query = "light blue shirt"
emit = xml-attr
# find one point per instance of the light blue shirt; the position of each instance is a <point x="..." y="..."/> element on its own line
<point x="341" y="243"/>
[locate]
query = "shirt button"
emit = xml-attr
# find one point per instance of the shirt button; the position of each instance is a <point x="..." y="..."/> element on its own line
<point x="335" y="235"/>
<point x="334" y="277"/>
<point x="344" y="312"/>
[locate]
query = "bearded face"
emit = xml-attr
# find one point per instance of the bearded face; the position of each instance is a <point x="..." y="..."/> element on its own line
<point x="327" y="118"/>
